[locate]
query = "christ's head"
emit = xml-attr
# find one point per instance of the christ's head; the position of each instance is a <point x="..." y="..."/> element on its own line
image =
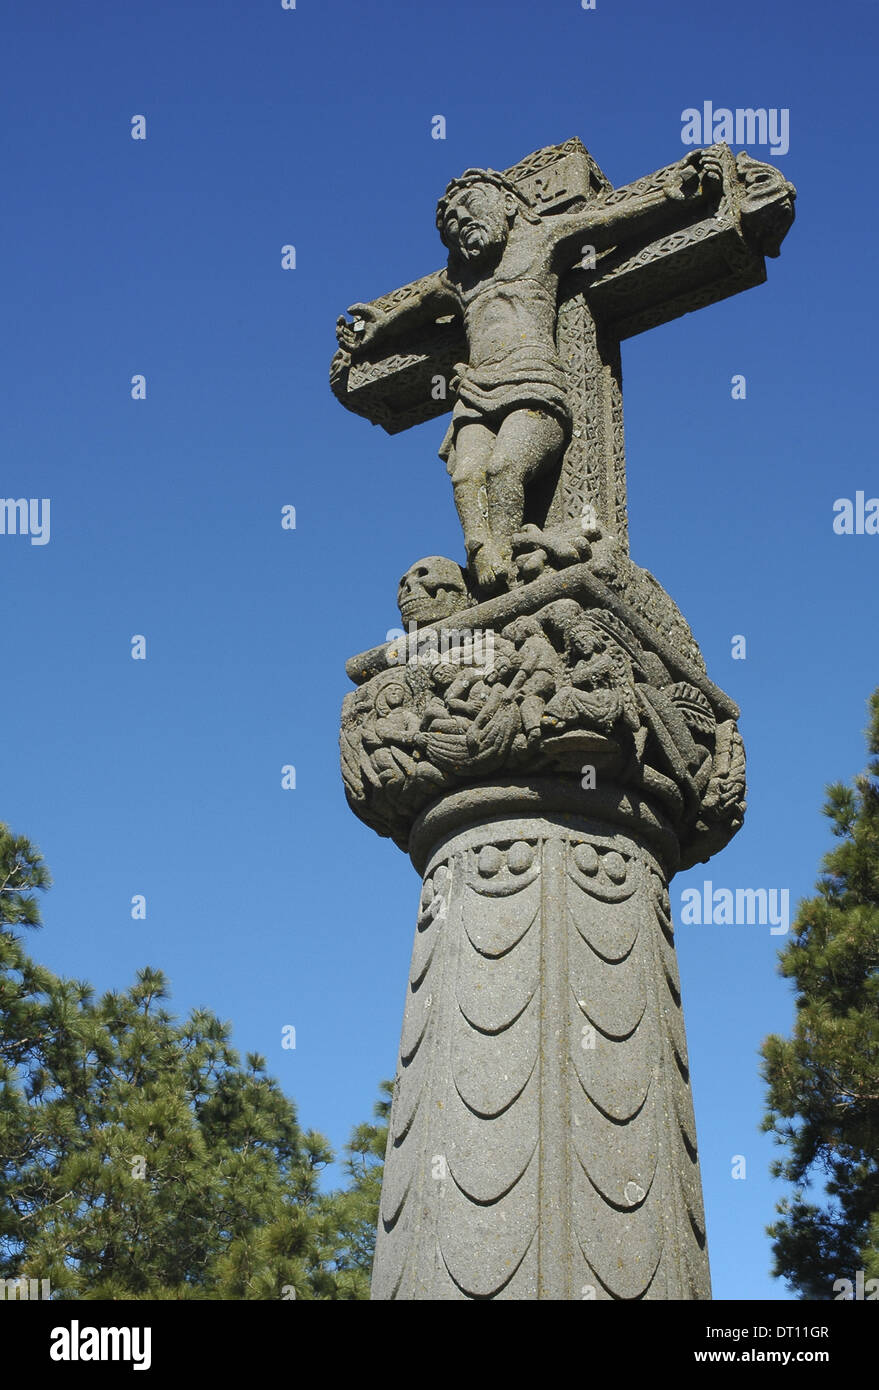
<point x="476" y="213"/>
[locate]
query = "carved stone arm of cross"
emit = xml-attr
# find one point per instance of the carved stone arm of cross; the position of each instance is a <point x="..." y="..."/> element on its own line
<point x="417" y="304"/>
<point x="609" y="223"/>
<point x="674" y="241"/>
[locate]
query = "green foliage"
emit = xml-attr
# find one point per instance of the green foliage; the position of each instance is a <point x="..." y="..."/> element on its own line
<point x="139" y="1159"/>
<point x="359" y="1206"/>
<point x="824" y="1080"/>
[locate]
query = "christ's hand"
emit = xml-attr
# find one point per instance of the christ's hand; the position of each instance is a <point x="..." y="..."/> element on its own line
<point x="699" y="175"/>
<point x="354" y="337"/>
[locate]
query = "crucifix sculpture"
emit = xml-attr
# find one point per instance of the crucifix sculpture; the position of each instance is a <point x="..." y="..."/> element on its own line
<point x="555" y="756"/>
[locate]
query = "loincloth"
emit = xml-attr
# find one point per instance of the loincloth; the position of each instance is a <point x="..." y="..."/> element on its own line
<point x="527" y="378"/>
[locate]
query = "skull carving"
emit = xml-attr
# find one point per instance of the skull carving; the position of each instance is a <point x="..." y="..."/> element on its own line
<point x="432" y="589"/>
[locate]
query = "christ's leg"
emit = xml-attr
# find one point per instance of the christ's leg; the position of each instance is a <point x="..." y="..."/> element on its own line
<point x="528" y="441"/>
<point x="468" y="462"/>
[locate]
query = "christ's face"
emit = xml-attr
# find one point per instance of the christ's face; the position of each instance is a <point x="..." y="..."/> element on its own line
<point x="475" y="222"/>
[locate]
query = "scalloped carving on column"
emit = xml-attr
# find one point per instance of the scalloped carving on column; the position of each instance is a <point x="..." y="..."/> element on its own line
<point x="542" y="1126"/>
<point x="630" y="1219"/>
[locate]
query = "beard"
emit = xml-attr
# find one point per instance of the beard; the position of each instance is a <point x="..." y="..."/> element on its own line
<point x="478" y="240"/>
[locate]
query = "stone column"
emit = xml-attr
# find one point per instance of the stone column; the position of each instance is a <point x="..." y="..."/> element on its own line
<point x="547" y="785"/>
<point x="542" y="1141"/>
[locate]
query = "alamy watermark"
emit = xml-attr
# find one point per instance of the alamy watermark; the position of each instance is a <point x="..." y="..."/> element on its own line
<point x="856" y="517"/>
<point x="739" y="907"/>
<point x="77" y="1343"/>
<point x="746" y="125"/>
<point x="25" y="1289"/>
<point x="26" y="516"/>
<point x="861" y="1290"/>
<point x="464" y="646"/>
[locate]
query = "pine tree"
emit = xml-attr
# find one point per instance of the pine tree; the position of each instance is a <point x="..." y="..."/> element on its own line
<point x="139" y="1159"/>
<point x="824" y="1080"/>
<point x="358" y="1206"/>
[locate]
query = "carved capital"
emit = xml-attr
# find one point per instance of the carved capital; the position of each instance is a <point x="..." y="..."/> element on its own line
<point x="593" y="694"/>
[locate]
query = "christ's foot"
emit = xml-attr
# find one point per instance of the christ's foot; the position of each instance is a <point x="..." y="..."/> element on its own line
<point x="490" y="567"/>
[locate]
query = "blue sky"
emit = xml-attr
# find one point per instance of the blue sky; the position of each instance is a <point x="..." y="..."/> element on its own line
<point x="312" y="127"/>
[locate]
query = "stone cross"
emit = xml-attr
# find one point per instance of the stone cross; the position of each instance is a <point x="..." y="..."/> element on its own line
<point x="545" y="743"/>
<point x="675" y="242"/>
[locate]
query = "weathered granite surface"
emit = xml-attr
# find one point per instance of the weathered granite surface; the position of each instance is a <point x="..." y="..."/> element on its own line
<point x="595" y="265"/>
<point x="543" y="740"/>
<point x="588" y="666"/>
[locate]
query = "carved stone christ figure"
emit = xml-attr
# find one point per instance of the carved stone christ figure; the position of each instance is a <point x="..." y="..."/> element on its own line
<point x="512" y="415"/>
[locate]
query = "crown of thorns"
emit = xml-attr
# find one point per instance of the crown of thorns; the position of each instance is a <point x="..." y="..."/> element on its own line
<point x="470" y="178"/>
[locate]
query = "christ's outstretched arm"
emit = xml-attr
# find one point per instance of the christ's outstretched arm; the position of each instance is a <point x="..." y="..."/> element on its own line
<point x="698" y="176"/>
<point x="429" y="298"/>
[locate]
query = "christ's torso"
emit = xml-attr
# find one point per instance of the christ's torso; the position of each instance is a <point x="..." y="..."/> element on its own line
<point x="516" y="305"/>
